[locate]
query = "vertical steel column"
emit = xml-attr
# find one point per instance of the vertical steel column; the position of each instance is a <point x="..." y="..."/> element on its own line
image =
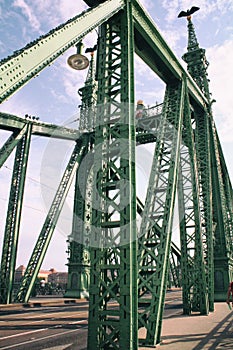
<point x="192" y="234"/>
<point x="229" y="199"/>
<point x="113" y="246"/>
<point x="197" y="67"/>
<point x="155" y="241"/>
<point x="202" y="143"/>
<point x="79" y="255"/>
<point x="10" y="242"/>
<point x="223" y="249"/>
<point x="175" y="270"/>
<point x="78" y="249"/>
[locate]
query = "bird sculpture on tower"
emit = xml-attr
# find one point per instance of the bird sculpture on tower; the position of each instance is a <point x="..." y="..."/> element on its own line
<point x="188" y="13"/>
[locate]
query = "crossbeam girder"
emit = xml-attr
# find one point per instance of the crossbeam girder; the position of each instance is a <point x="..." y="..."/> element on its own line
<point x="25" y="63"/>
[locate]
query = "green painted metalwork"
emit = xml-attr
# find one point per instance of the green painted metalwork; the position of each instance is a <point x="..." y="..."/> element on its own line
<point x="194" y="284"/>
<point x="12" y="123"/>
<point x="79" y="254"/>
<point x="216" y="213"/>
<point x="227" y="191"/>
<point x="156" y="53"/>
<point x="154" y="245"/>
<point x="11" y="143"/>
<point x="197" y="66"/>
<point x="175" y="253"/>
<point x="45" y="236"/>
<point x="202" y="142"/>
<point x="174" y="270"/>
<point x="40" y="53"/>
<point x="79" y="240"/>
<point x="10" y="242"/>
<point x="104" y="224"/>
<point x="113" y="247"/>
<point x="88" y="98"/>
<point x="223" y="253"/>
<point x="37" y="55"/>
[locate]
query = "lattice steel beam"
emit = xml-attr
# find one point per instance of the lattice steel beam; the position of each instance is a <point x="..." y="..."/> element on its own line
<point x="154" y="245"/>
<point x="10" y="242"/>
<point x="214" y="201"/>
<point x="113" y="246"/>
<point x="192" y="230"/>
<point x="11" y="143"/>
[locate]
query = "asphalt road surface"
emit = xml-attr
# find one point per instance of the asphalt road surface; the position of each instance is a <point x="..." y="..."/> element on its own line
<point x="61" y="327"/>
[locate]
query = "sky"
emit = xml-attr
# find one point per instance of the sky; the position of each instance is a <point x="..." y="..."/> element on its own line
<point x="52" y="96"/>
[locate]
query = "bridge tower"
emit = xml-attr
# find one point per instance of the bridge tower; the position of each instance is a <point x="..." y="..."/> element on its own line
<point x="78" y="248"/>
<point x="217" y="210"/>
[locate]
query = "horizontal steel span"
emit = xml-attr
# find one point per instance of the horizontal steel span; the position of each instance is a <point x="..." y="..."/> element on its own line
<point x="26" y="63"/>
<point x="17" y="69"/>
<point x="11" y="122"/>
<point x="155" y="52"/>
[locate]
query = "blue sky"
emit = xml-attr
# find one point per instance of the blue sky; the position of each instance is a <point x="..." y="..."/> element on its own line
<point x="52" y="96"/>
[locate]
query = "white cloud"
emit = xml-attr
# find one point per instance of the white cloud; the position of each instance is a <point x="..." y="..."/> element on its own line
<point x="16" y="106"/>
<point x="148" y="4"/>
<point x="207" y="7"/>
<point x="172" y="8"/>
<point x="28" y="12"/>
<point x="220" y="71"/>
<point x="70" y="8"/>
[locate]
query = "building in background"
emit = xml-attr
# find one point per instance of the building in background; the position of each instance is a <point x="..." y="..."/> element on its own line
<point x="53" y="281"/>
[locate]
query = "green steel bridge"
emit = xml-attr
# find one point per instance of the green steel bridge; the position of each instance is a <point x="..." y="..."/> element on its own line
<point x="122" y="267"/>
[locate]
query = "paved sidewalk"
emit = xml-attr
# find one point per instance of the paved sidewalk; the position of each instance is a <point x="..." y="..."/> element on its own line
<point x="179" y="332"/>
<point x="196" y="332"/>
<point x="42" y="301"/>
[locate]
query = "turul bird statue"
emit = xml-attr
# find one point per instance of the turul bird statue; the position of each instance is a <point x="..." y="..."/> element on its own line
<point x="188" y="12"/>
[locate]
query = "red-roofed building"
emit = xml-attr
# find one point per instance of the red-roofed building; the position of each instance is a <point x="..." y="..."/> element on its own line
<point x="51" y="275"/>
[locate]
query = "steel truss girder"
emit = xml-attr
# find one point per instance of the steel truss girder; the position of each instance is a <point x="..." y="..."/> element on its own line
<point x="223" y="248"/>
<point x="192" y="228"/>
<point x="227" y="192"/>
<point x="222" y="218"/>
<point x="11" y="122"/>
<point x="26" y="63"/>
<point x="157" y="54"/>
<point x="45" y="236"/>
<point x="202" y="143"/>
<point x="11" y="143"/>
<point x="154" y="245"/>
<point x="175" y="253"/>
<point x="214" y="200"/>
<point x="174" y="276"/>
<point x="10" y="242"/>
<point x="79" y="248"/>
<point x="113" y="289"/>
